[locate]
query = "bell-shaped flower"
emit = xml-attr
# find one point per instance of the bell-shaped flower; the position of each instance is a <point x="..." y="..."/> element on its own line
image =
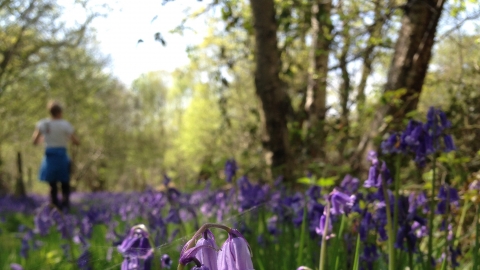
<point x="136" y="244"/>
<point x="166" y="261"/>
<point x="350" y="184"/>
<point x="235" y="253"/>
<point x="320" y="230"/>
<point x="341" y="202"/>
<point x="230" y="170"/>
<point x="207" y="256"/>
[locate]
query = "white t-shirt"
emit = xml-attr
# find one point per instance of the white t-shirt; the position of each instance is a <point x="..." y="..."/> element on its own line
<point x="56" y="132"/>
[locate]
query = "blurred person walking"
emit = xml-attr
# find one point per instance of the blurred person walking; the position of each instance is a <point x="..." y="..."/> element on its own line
<point x="56" y="133"/>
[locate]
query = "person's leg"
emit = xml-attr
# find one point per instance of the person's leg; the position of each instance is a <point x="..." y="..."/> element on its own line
<point x="53" y="194"/>
<point x="66" y="196"/>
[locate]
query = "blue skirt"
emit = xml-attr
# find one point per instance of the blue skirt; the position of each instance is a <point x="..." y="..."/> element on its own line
<point x="55" y="165"/>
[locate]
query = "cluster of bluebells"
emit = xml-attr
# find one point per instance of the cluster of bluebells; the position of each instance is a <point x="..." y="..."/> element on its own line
<point x="422" y="139"/>
<point x="164" y="211"/>
<point x="234" y="254"/>
<point x="136" y="249"/>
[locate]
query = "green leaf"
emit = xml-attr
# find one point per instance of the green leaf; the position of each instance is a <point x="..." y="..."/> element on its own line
<point x="326" y="182"/>
<point x="305" y="180"/>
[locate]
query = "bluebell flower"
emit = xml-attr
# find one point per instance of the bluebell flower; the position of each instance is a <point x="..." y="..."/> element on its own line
<point x="370" y="255"/>
<point x="350" y="184"/>
<point x="235" y="253"/>
<point x="83" y="261"/>
<point x="377" y="175"/>
<point x="130" y="263"/>
<point x="165" y="261"/>
<point x="15" y="266"/>
<point x="391" y="144"/>
<point x="207" y="256"/>
<point x="320" y="229"/>
<point x="230" y="170"/>
<point x="366" y="224"/>
<point x="136" y="244"/>
<point x="445" y="194"/>
<point x="341" y="202"/>
<point x="314" y="192"/>
<point x="448" y="141"/>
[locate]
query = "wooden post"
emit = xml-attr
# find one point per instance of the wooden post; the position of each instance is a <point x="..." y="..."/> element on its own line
<point x="30" y="178"/>
<point x="20" y="186"/>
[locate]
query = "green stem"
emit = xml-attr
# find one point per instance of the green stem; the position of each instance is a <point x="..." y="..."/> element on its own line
<point x="357" y="254"/>
<point x="475" y="249"/>
<point x="337" y="242"/>
<point x="302" y="236"/>
<point x="462" y="220"/>
<point x="323" y="248"/>
<point x="432" y="214"/>
<point x="410" y="260"/>
<point x="396" y="192"/>
<point x="391" y="236"/>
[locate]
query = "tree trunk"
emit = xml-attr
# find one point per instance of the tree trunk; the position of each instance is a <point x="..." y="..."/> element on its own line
<point x="344" y="92"/>
<point x="269" y="89"/>
<point x="315" y="104"/>
<point x="408" y="68"/>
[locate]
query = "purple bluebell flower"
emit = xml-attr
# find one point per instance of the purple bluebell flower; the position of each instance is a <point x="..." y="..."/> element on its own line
<point x="350" y="184"/>
<point x="251" y="195"/>
<point x="372" y="157"/>
<point x="173" y="216"/>
<point x="314" y="192"/>
<point x="83" y="261"/>
<point x="166" y="262"/>
<point x="16" y="266"/>
<point x="208" y="256"/>
<point x="419" y="229"/>
<point x="24" y="248"/>
<point x="445" y="194"/>
<point x="341" y="202"/>
<point x="366" y="224"/>
<point x="130" y="263"/>
<point x="136" y="244"/>
<point x="235" y="253"/>
<point x="391" y="144"/>
<point x="370" y="255"/>
<point x="166" y="180"/>
<point x="321" y="227"/>
<point x="43" y="220"/>
<point x="416" y="201"/>
<point x="272" y="226"/>
<point x="377" y="175"/>
<point x="230" y="170"/>
<point x="448" y="141"/>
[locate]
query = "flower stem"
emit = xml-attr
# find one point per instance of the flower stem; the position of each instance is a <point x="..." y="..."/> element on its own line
<point x="396" y="192"/>
<point x="199" y="233"/>
<point x="391" y="236"/>
<point x="475" y="249"/>
<point x="337" y="242"/>
<point x="302" y="236"/>
<point x="323" y="248"/>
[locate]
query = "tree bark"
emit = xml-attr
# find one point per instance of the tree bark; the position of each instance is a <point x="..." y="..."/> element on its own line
<point x="273" y="97"/>
<point x="315" y="105"/>
<point x="408" y="68"/>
